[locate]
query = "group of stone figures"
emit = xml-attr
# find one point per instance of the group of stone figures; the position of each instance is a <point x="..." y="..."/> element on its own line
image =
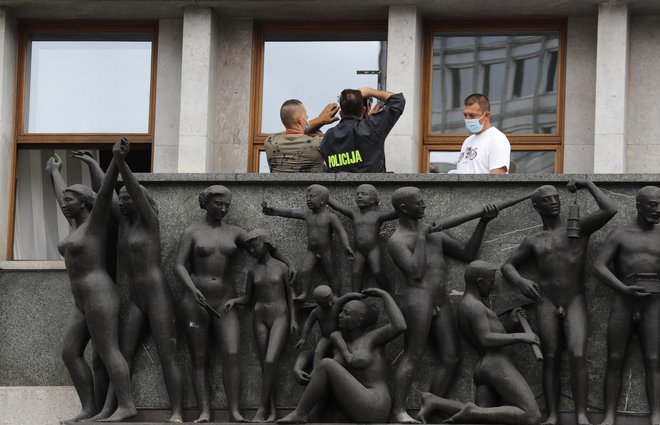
<point x="347" y="370"/>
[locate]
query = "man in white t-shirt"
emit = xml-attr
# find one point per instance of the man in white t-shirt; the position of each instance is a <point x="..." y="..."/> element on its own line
<point x="487" y="150"/>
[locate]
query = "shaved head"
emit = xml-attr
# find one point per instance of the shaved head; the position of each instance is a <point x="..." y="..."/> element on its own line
<point x="289" y="111"/>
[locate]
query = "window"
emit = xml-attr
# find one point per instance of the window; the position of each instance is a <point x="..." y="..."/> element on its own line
<point x="81" y="85"/>
<point x="312" y="62"/>
<point x="519" y="66"/>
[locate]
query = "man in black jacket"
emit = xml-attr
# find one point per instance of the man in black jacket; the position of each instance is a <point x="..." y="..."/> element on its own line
<point x="357" y="143"/>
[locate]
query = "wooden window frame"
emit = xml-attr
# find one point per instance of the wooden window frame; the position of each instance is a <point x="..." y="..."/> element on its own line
<point x="256" y="136"/>
<point x="453" y="142"/>
<point x="23" y="139"/>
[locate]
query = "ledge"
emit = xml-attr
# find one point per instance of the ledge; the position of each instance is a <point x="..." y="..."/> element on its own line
<point x="389" y="177"/>
<point x="22" y="265"/>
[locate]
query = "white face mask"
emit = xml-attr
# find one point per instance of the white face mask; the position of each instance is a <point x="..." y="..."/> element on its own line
<point x="473" y="125"/>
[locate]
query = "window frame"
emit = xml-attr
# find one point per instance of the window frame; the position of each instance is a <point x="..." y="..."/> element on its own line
<point x="23" y="139"/>
<point x="256" y="136"/>
<point x="453" y="142"/>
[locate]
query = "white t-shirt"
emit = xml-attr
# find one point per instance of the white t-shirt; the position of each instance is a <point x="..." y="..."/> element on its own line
<point x="483" y="152"/>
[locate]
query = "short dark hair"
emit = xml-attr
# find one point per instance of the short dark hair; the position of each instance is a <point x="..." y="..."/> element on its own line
<point x="351" y="102"/>
<point x="481" y="99"/>
<point x="288" y="112"/>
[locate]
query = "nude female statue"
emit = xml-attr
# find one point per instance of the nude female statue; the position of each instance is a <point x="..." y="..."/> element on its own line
<point x="360" y="387"/>
<point x="205" y="251"/>
<point x="274" y="315"/>
<point x="96" y="310"/>
<point x="150" y="300"/>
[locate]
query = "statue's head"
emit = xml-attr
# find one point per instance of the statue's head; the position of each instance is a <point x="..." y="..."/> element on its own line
<point x="216" y="200"/>
<point x="545" y="200"/>
<point x="408" y="202"/>
<point x="366" y="196"/>
<point x="648" y="204"/>
<point x="357" y="314"/>
<point x="316" y="196"/>
<point x="258" y="242"/>
<point x="76" y="197"/>
<point x="481" y="275"/>
<point x="323" y="296"/>
<point x="126" y="204"/>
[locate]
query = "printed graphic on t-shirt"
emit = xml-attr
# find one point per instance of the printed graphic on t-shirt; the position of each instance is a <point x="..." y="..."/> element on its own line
<point x="470" y="153"/>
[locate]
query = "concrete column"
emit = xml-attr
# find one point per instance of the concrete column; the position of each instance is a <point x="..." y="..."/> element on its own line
<point x="168" y="96"/>
<point x="611" y="88"/>
<point x="8" y="45"/>
<point x="404" y="61"/>
<point x="198" y="65"/>
<point x="233" y="96"/>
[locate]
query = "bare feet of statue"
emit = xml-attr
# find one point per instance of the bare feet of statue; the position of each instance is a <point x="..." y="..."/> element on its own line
<point x="175" y="418"/>
<point x="203" y="418"/>
<point x="402" y="417"/>
<point x="236" y="417"/>
<point x="293" y="418"/>
<point x="550" y="420"/>
<point x="582" y="419"/>
<point x="121" y="413"/>
<point x="465" y="415"/>
<point x="425" y="410"/>
<point x="260" y="416"/>
<point x="85" y="414"/>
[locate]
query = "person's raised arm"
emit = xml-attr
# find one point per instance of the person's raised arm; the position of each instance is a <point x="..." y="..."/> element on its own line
<point x="382" y="95"/>
<point x="510" y="272"/>
<point x="327" y="116"/>
<point x="412" y="264"/>
<point x="97" y="175"/>
<point x="102" y="205"/>
<point x="341" y="232"/>
<point x="597" y="219"/>
<point x="140" y="199"/>
<point x="603" y="273"/>
<point x="468" y="251"/>
<point x="282" y="212"/>
<point x="397" y="324"/>
<point x="246" y="298"/>
<point x="183" y="254"/>
<point x="53" y="167"/>
<point x="340" y="207"/>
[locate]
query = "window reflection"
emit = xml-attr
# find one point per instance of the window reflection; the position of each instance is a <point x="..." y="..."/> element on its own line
<point x="521" y="161"/>
<point x="517" y="72"/>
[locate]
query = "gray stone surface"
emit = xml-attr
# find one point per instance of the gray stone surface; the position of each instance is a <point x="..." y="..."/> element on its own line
<point x="35" y="304"/>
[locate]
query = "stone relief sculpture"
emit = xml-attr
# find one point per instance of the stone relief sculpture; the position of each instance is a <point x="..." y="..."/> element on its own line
<point x="321" y="224"/>
<point x="502" y="395"/>
<point x="420" y="255"/>
<point x="358" y="384"/>
<point x="150" y="302"/>
<point x="95" y="315"/>
<point x="274" y="316"/>
<point x="325" y="314"/>
<point x="560" y="253"/>
<point x="629" y="263"/>
<point x="201" y="264"/>
<point x="366" y="229"/>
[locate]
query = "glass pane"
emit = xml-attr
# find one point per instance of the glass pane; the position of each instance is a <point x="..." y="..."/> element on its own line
<point x="521" y="161"/>
<point x="88" y="87"/>
<point x="518" y="72"/>
<point x="328" y="68"/>
<point x="263" y="163"/>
